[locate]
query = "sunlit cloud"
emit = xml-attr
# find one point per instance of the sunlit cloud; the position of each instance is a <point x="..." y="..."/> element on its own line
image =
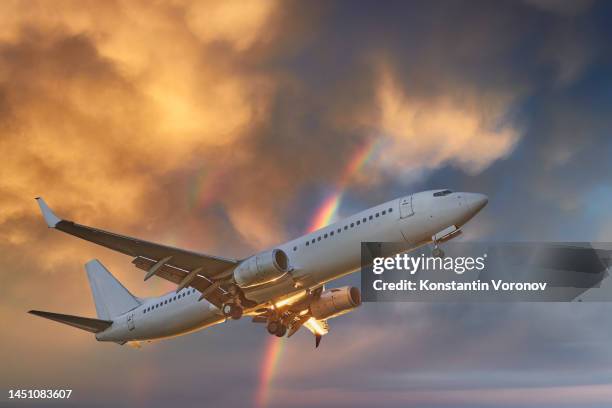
<point x="468" y="130"/>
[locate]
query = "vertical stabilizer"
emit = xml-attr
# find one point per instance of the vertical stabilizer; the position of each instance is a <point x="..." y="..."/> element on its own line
<point x="110" y="296"/>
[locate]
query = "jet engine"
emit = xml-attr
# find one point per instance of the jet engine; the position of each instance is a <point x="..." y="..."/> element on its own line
<point x="261" y="268"/>
<point x="335" y="302"/>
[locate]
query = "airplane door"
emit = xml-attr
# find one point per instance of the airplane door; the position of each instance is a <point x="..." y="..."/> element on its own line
<point x="130" y="321"/>
<point x="406" y="207"/>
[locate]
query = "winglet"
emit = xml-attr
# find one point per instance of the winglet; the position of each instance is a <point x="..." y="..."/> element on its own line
<point x="50" y="218"/>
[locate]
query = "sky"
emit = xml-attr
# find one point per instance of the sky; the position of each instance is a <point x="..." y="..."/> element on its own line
<point x="225" y="127"/>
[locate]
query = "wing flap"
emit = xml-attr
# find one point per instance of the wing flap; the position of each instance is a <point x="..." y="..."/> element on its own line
<point x="176" y="275"/>
<point x="317" y="327"/>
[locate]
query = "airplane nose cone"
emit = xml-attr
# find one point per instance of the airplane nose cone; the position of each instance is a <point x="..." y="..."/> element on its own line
<point x="478" y="202"/>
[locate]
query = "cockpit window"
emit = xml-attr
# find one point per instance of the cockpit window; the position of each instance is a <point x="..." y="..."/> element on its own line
<point x="442" y="193"/>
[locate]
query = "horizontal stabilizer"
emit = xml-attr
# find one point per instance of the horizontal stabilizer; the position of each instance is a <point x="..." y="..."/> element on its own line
<point x="83" y="323"/>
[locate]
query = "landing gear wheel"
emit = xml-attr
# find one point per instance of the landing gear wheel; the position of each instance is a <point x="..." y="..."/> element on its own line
<point x="274" y="326"/>
<point x="437" y="253"/>
<point x="282" y="330"/>
<point x="232" y="310"/>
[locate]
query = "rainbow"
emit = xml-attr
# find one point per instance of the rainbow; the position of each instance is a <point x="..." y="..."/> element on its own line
<point x="204" y="188"/>
<point x="274" y="350"/>
<point x="323" y="216"/>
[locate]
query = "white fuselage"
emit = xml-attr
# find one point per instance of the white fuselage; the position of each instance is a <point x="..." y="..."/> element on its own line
<point x="315" y="258"/>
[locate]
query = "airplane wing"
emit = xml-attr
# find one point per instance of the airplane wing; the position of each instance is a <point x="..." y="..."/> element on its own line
<point x="180" y="266"/>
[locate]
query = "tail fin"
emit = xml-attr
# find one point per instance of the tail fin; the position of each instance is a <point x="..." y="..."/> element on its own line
<point x="110" y="297"/>
<point x="83" y="323"/>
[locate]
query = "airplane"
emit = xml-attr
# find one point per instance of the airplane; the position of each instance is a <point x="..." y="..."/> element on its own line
<point x="282" y="287"/>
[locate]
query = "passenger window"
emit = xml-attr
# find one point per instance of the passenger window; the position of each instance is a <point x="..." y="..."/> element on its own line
<point x="345" y="227"/>
<point x="390" y="210"/>
<point x="384" y="212"/>
<point x="313" y="240"/>
<point x="377" y="214"/>
<point x="318" y="238"/>
<point x="307" y="243"/>
<point x="352" y="225"/>
<point x="295" y="248"/>
<point x="371" y="216"/>
<point x="358" y="222"/>
<point x="325" y="236"/>
<point x="364" y="219"/>
<point x="331" y="233"/>
<point x="340" y="230"/>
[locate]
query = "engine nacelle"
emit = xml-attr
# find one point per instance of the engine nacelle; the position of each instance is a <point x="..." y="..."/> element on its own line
<point x="335" y="302"/>
<point x="261" y="268"/>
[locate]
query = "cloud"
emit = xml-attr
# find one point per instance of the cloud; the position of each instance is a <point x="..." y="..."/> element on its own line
<point x="219" y="128"/>
<point x="97" y="111"/>
<point x="572" y="396"/>
<point x="563" y="7"/>
<point x="468" y="130"/>
<point x="240" y="23"/>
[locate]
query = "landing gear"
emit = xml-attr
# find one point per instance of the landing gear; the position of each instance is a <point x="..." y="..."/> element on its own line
<point x="232" y="310"/>
<point x="282" y="331"/>
<point x="236" y="302"/>
<point x="276" y="328"/>
<point x="437" y="252"/>
<point x="273" y="327"/>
